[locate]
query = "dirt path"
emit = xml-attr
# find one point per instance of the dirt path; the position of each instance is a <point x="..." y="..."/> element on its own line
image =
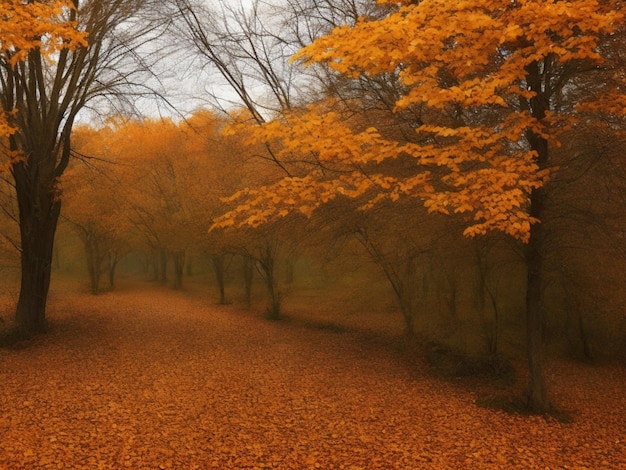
<point x="160" y="380"/>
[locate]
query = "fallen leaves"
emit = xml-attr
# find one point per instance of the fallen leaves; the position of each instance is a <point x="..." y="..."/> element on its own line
<point x="156" y="381"/>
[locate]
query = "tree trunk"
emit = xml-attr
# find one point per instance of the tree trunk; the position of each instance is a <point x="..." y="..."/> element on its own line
<point x="219" y="269"/>
<point x="538" y="107"/>
<point x="112" y="265"/>
<point x="267" y="264"/>
<point x="537" y="393"/>
<point x="39" y="211"/>
<point x="179" y="268"/>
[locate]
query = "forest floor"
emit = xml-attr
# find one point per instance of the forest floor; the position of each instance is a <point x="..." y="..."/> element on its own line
<point x="160" y="379"/>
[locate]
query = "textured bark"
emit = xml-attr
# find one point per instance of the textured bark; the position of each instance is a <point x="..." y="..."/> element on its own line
<point x="38" y="216"/>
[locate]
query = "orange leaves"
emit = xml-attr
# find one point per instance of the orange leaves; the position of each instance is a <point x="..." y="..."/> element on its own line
<point x="479" y="174"/>
<point x="465" y="68"/>
<point x="43" y="25"/>
<point x="159" y="380"/>
<point x="26" y="26"/>
<point x="265" y="204"/>
<point x="5" y="127"/>
<point x="465" y="39"/>
<point x="158" y="182"/>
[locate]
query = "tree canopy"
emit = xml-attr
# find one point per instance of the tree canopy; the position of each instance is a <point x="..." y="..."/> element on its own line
<point x="474" y="74"/>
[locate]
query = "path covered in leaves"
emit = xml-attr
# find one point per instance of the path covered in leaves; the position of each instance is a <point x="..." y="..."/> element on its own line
<point x="159" y="380"/>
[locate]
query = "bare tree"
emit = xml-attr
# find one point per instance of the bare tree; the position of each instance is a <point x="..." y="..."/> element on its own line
<point x="244" y="46"/>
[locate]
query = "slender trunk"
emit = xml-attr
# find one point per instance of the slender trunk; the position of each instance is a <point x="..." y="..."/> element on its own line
<point x="112" y="265"/>
<point x="39" y="213"/>
<point x="493" y="332"/>
<point x="537" y="398"/>
<point x="408" y="313"/>
<point x="273" y="309"/>
<point x="405" y="290"/>
<point x="480" y="252"/>
<point x="538" y="106"/>
<point x="179" y="268"/>
<point x="404" y="284"/>
<point x="267" y="264"/>
<point x="94" y="273"/>
<point x="219" y="269"/>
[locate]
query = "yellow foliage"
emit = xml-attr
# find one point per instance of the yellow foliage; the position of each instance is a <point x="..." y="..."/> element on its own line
<point x="468" y="55"/>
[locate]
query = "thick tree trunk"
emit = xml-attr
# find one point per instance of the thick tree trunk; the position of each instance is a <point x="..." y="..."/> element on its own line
<point x="38" y="216"/>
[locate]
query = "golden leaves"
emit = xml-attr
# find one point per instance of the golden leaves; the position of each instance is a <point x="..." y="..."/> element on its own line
<point x="449" y="56"/>
<point x="42" y="25"/>
<point x="34" y="25"/>
<point x="464" y="39"/>
<point x="481" y="175"/>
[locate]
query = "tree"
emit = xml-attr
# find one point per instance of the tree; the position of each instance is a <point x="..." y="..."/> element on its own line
<point x="492" y="86"/>
<point x="42" y="90"/>
<point x="93" y="203"/>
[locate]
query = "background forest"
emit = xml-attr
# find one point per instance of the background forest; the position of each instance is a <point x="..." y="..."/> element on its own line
<point x="324" y="187"/>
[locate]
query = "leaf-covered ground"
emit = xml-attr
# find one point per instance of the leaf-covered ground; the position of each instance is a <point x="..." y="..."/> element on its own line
<point x="161" y="380"/>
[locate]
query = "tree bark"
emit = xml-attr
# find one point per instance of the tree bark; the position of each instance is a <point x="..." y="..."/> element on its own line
<point x="537" y="393"/>
<point x="39" y="211"/>
<point x="538" y="105"/>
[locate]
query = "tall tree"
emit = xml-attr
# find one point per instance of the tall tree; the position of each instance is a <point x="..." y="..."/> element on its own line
<point x="491" y="85"/>
<point x="42" y="90"/>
